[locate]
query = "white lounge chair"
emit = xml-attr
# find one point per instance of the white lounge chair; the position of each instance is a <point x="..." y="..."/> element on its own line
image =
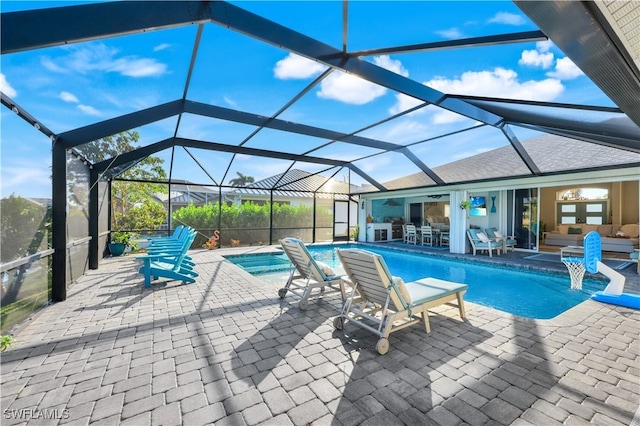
<point x="308" y="278"/>
<point x="383" y="304"/>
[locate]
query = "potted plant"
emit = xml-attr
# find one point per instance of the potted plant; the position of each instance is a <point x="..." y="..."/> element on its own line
<point x="120" y="241"/>
<point x="355" y="232"/>
<point x="465" y="205"/>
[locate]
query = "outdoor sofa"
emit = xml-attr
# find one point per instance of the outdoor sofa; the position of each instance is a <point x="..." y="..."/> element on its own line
<point x="615" y="238"/>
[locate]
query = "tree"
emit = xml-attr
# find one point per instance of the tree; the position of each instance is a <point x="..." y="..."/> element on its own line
<point x="24" y="229"/>
<point x="132" y="204"/>
<point x="241" y="180"/>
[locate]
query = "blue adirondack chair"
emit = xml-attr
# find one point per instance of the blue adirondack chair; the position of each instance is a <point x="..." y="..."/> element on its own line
<point x="174" y="237"/>
<point x="176" y="247"/>
<point x="169" y="264"/>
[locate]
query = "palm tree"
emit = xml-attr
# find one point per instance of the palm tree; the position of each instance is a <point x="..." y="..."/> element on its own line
<point x="241" y="180"/>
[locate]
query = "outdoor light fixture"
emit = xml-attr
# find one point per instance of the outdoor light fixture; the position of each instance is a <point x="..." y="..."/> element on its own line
<point x="36" y="125"/>
<point x="362" y="205"/>
<point x="15" y="109"/>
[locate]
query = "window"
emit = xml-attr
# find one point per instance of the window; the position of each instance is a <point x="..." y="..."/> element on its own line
<point x="576" y="194"/>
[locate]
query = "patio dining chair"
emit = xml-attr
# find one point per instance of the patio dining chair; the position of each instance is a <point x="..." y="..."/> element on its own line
<point x="410" y="234"/>
<point x="428" y="236"/>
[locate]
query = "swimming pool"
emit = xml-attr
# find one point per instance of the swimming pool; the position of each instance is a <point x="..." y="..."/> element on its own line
<point x="519" y="292"/>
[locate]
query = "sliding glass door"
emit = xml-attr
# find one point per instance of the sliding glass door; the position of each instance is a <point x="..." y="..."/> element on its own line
<point x="522" y="217"/>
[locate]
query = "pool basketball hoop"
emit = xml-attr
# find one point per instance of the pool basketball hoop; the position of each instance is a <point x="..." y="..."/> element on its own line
<point x="576" y="268"/>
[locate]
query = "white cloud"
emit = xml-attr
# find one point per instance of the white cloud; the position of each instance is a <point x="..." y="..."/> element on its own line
<point x="349" y="89"/>
<point x="132" y="67"/>
<point x="392" y="65"/>
<point x="69" y="97"/>
<point x="404" y="131"/>
<point x="451" y="33"/>
<point x="230" y="101"/>
<point x="161" y="46"/>
<point x="500" y="83"/>
<point x="403" y="103"/>
<point x="89" y="110"/>
<point x="6" y="88"/>
<point x="533" y="58"/>
<point x="507" y="19"/>
<point x="100" y="57"/>
<point x="297" y="67"/>
<point x="544" y="46"/>
<point x="25" y="180"/>
<point x="443" y="116"/>
<point x="565" y="70"/>
<point x="52" y="66"/>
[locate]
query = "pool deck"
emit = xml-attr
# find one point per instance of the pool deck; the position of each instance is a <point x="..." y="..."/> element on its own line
<point x="227" y="351"/>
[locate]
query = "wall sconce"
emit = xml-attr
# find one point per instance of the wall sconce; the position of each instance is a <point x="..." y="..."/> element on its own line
<point x="362" y="204"/>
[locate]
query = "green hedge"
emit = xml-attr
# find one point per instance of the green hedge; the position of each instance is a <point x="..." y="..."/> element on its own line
<point x="248" y="222"/>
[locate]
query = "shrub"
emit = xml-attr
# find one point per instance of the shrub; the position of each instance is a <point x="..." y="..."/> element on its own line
<point x="248" y="222"/>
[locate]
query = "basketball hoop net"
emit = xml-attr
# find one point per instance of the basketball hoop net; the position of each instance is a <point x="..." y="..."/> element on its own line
<point x="576" y="268"/>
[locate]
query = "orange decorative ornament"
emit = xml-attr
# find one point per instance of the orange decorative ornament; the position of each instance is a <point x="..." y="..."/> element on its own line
<point x="213" y="241"/>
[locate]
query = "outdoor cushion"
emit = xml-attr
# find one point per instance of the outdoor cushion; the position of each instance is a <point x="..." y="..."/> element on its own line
<point x="574" y="231"/>
<point x="326" y="269"/>
<point x="483" y="237"/>
<point x="631" y="230"/>
<point x="427" y="289"/>
<point x="399" y="282"/>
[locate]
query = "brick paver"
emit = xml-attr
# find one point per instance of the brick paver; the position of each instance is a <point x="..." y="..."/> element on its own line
<point x="228" y="350"/>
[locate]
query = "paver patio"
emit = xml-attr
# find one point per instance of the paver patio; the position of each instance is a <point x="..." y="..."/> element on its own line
<point x="227" y="350"/>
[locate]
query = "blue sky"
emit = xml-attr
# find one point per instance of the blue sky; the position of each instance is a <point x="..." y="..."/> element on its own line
<point x="72" y="86"/>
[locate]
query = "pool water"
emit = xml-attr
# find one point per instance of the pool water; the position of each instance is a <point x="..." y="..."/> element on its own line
<point x="257" y="264"/>
<point x="519" y="292"/>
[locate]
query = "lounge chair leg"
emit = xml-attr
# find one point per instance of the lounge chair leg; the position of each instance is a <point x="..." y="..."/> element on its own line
<point x="425" y="320"/>
<point x="463" y="314"/>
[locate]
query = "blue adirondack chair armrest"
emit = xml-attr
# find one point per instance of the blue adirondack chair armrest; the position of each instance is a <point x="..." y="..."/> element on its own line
<point x="159" y="256"/>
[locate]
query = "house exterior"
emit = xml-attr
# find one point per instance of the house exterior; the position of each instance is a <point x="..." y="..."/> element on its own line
<point x="527" y="207"/>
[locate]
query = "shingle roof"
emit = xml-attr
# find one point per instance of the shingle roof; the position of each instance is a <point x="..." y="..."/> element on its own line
<point x="568" y="154"/>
